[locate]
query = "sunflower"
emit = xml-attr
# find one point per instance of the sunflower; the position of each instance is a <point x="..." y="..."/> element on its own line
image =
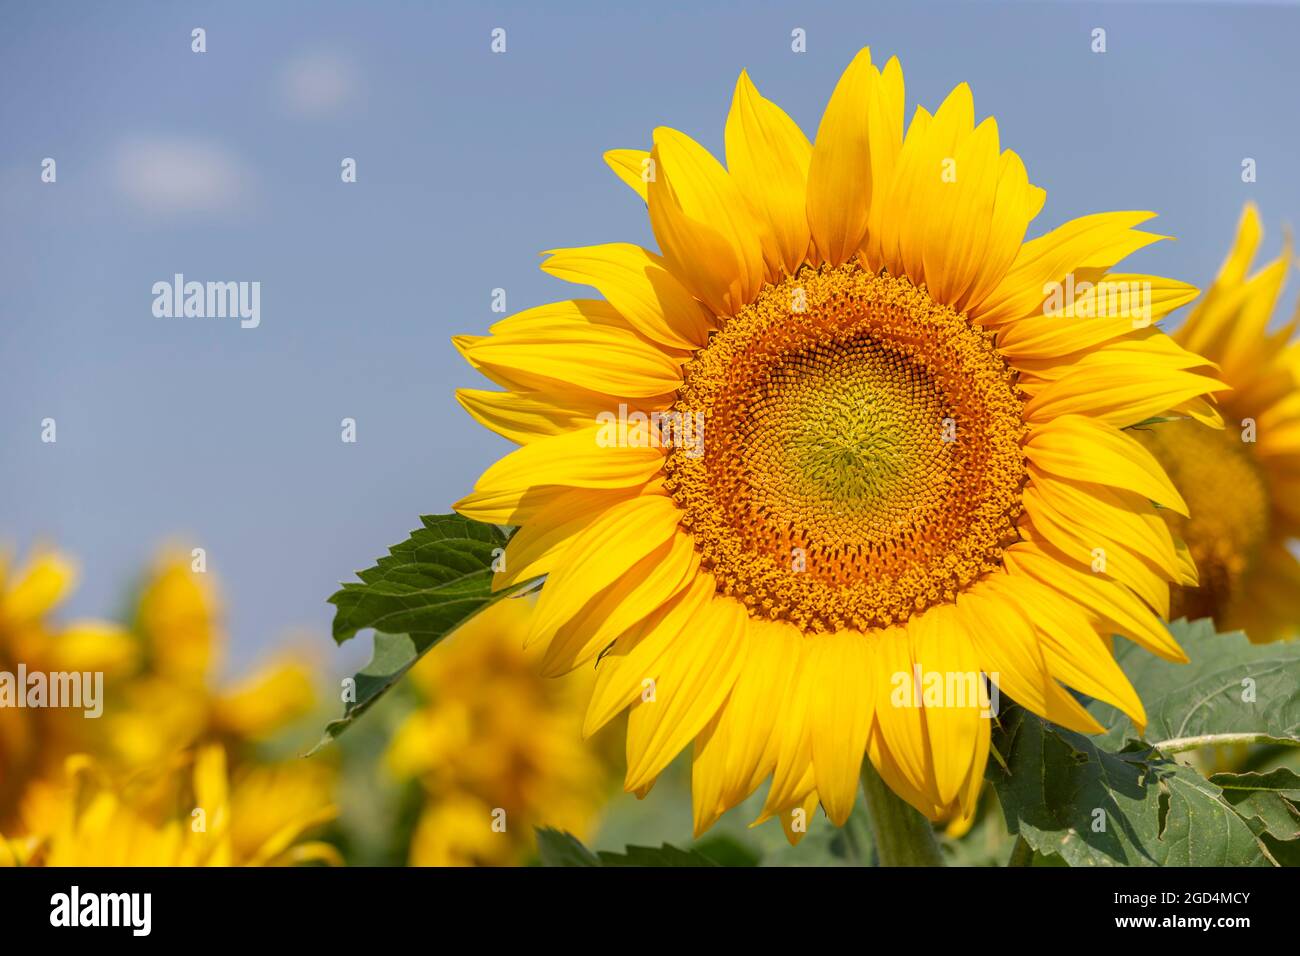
<point x="840" y="441"/>
<point x="1242" y="483"/>
<point x="190" y="812"/>
<point x="495" y="747"/>
<point x="173" y="702"/>
<point x="35" y="741"/>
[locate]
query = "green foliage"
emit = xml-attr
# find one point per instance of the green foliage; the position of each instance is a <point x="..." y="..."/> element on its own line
<point x="426" y="586"/>
<point x="1229" y="686"/>
<point x="421" y="591"/>
<point x="1064" y="795"/>
<point x="1117" y="800"/>
<point x="1269" y="802"/>
<point x="559" y="848"/>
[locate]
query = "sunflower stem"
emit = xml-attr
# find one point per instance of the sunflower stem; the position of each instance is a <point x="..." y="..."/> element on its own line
<point x="903" y="836"/>
<point x="1182" y="744"/>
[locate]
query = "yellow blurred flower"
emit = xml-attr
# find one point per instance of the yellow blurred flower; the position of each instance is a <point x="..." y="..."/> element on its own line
<point x="34" y="741"/>
<point x="1241" y="482"/>
<point x="78" y="791"/>
<point x="191" y="813"/>
<point x="496" y="746"/>
<point x="174" y="702"/>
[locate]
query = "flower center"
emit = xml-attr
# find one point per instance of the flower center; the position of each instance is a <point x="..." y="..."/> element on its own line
<point x="1228" y="498"/>
<point x="862" y="452"/>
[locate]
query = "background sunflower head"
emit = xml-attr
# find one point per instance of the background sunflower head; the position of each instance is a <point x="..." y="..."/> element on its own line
<point x="495" y="748"/>
<point x="1242" y="482"/>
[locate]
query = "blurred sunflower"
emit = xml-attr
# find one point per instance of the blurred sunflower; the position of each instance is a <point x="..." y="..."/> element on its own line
<point x="34" y="741"/>
<point x="1242" y="484"/>
<point x="189" y="813"/>
<point x="496" y="747"/>
<point x="173" y="702"/>
<point x="914" y="460"/>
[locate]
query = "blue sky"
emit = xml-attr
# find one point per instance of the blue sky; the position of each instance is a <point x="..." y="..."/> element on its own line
<point x="225" y="166"/>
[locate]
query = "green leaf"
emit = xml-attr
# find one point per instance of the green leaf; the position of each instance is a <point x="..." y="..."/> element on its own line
<point x="433" y="581"/>
<point x="420" y="592"/>
<point x="1093" y="807"/>
<point x="1229" y="686"/>
<point x="1157" y="811"/>
<point x="664" y="855"/>
<point x="1267" y="801"/>
<point x="725" y="850"/>
<point x="559" y="848"/>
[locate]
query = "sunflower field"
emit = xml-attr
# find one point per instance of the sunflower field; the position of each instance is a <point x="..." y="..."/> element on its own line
<point x="842" y="503"/>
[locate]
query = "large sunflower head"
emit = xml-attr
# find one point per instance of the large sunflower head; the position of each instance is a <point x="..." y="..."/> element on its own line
<point x="1242" y="482"/>
<point x="848" y="437"/>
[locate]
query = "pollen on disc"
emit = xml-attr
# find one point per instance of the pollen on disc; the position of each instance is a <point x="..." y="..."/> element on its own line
<point x="862" y="451"/>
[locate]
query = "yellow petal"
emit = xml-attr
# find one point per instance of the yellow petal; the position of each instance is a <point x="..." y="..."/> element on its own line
<point x="651" y="582"/>
<point x="600" y="555"/>
<point x="840" y="705"/>
<point x="737" y="749"/>
<point x="1073" y="446"/>
<point x="1059" y="335"/>
<point x="533" y="549"/>
<point x="695" y="679"/>
<point x="793" y="777"/>
<point x="93" y="646"/>
<point x="1141" y="351"/>
<point x="1117" y="395"/>
<point x="1103" y="599"/>
<point x="638" y="284"/>
<point x="1013" y="659"/>
<point x="840" y="171"/>
<point x="924" y="173"/>
<point x="602" y="359"/>
<point x="1206" y="325"/>
<point x="1050" y="258"/>
<point x="768" y="156"/>
<point x="1074" y="652"/>
<point x="886" y="135"/>
<point x="510" y="506"/>
<point x="632" y="166"/>
<point x="522" y="417"/>
<point x="703" y="225"/>
<point x="568" y="318"/>
<point x="941" y="648"/>
<point x="636" y="660"/>
<point x="1084" y="539"/>
<point x="38" y="587"/>
<point x="266" y="700"/>
<point x="958" y="207"/>
<point x="578" y="459"/>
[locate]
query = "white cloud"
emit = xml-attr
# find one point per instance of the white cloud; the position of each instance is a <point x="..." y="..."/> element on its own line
<point x="169" y="175"/>
<point x="318" y="83"/>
